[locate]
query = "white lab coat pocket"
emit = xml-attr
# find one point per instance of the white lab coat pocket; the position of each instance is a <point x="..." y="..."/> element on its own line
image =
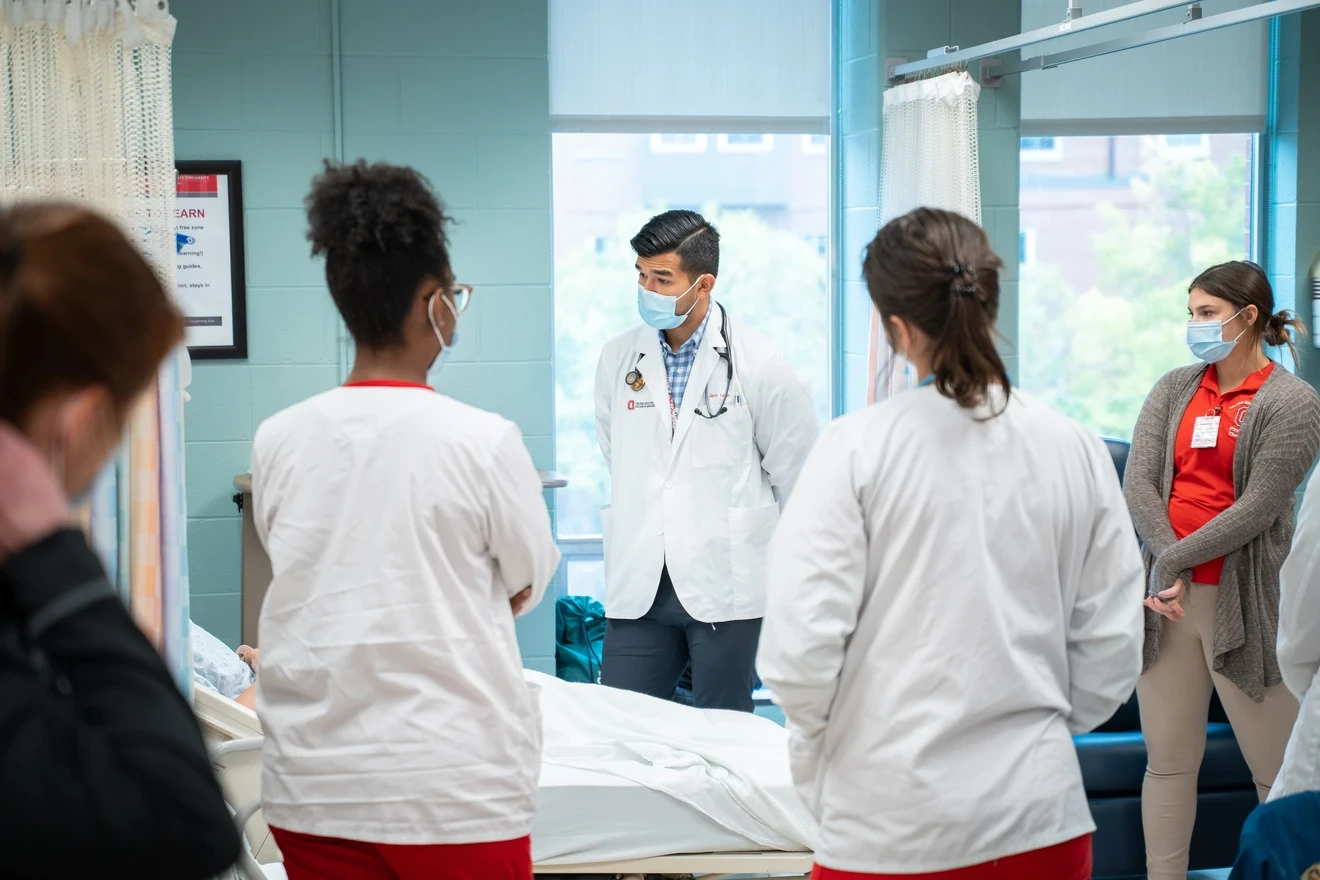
<point x="723" y="442"/>
<point x="750" y="531"/>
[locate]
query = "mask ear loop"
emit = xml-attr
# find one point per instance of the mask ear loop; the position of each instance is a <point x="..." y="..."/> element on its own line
<point x="1244" y="329"/>
<point x="435" y="325"/>
<point x="685" y="293"/>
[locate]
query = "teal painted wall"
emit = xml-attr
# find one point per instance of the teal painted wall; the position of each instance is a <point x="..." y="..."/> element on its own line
<point x="458" y="90"/>
<point x="1294" y="197"/>
<point x="873" y="31"/>
<point x="1293" y="210"/>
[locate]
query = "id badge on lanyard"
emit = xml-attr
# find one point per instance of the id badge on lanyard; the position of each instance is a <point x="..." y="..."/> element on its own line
<point x="1205" y="431"/>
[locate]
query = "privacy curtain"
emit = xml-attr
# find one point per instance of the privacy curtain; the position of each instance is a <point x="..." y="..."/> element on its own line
<point x="929" y="158"/>
<point x="85" y="115"/>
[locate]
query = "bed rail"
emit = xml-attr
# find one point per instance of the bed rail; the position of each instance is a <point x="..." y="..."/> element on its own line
<point x="247" y="863"/>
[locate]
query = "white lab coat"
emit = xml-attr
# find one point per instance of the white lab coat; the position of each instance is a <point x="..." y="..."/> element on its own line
<point x="398" y="524"/>
<point x="950" y="600"/>
<point x="706" y="501"/>
<point x="1299" y="647"/>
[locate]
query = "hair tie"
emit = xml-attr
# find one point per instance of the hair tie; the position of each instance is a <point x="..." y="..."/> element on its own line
<point x="963" y="271"/>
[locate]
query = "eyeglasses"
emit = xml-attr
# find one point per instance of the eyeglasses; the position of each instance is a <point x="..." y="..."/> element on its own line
<point x="462" y="294"/>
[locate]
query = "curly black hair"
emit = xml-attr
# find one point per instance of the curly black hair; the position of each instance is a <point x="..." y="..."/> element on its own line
<point x="382" y="230"/>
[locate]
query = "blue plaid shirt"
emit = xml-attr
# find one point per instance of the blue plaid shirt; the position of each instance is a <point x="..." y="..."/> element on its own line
<point x="678" y="364"/>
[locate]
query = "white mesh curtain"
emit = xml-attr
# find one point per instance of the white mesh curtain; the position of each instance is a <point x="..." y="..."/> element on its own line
<point x="928" y="159"/>
<point x="85" y="115"/>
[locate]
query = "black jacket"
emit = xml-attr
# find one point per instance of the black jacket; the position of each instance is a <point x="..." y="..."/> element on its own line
<point x="102" y="768"/>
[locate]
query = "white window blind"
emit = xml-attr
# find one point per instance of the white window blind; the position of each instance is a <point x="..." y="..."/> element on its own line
<point x="1211" y="82"/>
<point x="750" y="66"/>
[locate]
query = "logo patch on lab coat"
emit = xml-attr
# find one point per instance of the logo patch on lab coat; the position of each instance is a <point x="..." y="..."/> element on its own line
<point x="641" y="404"/>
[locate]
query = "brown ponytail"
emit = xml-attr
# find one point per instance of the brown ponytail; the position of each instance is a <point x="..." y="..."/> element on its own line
<point x="79" y="307"/>
<point x="935" y="270"/>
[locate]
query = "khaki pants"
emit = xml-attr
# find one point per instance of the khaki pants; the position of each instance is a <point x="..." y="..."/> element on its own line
<point x="1174" y="695"/>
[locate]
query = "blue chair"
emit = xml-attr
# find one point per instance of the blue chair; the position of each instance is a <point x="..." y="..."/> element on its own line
<point x="1281" y="841"/>
<point x="1113" y="761"/>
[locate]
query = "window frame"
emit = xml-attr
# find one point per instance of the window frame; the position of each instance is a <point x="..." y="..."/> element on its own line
<point x="1199" y="150"/>
<point x="765" y="145"/>
<point x="1035" y="154"/>
<point x="811" y="148"/>
<point x="699" y="144"/>
<point x="1026" y="247"/>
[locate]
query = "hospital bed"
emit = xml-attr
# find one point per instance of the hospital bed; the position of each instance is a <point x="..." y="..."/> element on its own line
<point x="588" y="821"/>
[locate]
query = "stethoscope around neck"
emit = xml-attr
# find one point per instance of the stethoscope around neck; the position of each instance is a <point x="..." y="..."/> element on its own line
<point x="636" y="382"/>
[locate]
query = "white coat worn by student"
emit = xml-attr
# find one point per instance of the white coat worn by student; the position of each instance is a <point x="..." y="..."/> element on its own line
<point x="398" y="524"/>
<point x="706" y="502"/>
<point x="984" y="579"/>
<point x="1299" y="647"/>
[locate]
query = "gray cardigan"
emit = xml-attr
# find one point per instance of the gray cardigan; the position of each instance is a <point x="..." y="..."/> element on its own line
<point x="1277" y="444"/>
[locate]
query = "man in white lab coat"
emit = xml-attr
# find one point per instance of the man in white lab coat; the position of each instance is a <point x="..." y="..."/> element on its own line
<point x="704" y="426"/>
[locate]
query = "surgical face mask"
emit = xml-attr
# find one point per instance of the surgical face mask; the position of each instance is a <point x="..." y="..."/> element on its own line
<point x="1206" y="339"/>
<point x="660" y="311"/>
<point x="445" y="348"/>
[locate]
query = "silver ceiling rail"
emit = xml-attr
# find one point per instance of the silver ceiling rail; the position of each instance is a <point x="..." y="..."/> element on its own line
<point x="1267" y="9"/>
<point x="952" y="55"/>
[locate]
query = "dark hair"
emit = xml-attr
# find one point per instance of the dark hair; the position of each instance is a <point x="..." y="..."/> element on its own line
<point x="685" y="233"/>
<point x="79" y="306"/>
<point x="935" y="269"/>
<point x="382" y="231"/>
<point x="1242" y="283"/>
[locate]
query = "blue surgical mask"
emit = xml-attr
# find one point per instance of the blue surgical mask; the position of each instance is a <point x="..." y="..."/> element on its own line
<point x="1206" y="339"/>
<point x="445" y="349"/>
<point x="660" y="311"/>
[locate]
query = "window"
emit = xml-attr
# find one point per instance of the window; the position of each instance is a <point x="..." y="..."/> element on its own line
<point x="1185" y="146"/>
<point x="1042" y="149"/>
<point x="745" y="143"/>
<point x="678" y="143"/>
<point x="1026" y="247"/>
<point x="1103" y="287"/>
<point x="815" y="144"/>
<point x="772" y="211"/>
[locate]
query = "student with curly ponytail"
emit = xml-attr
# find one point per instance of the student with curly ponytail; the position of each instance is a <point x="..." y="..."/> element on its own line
<point x="406" y="531"/>
<point x="951" y="596"/>
<point x="1218" y="452"/>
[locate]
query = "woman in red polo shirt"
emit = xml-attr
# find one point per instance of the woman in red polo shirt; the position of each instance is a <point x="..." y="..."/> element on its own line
<point x="1217" y="455"/>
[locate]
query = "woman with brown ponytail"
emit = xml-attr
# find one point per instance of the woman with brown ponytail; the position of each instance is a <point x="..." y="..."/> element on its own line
<point x="954" y="591"/>
<point x="1218" y="452"/>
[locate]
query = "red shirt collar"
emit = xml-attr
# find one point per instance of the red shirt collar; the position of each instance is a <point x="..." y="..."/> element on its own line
<point x="1251" y="385"/>
<point x="387" y="383"/>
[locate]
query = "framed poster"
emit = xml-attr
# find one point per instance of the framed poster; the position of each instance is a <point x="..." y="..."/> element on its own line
<point x="208" y="228"/>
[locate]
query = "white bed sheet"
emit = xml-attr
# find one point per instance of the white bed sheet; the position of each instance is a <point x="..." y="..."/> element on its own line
<point x="584" y="816"/>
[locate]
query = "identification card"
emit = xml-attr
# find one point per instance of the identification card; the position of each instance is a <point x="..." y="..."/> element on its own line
<point x="1205" y="433"/>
